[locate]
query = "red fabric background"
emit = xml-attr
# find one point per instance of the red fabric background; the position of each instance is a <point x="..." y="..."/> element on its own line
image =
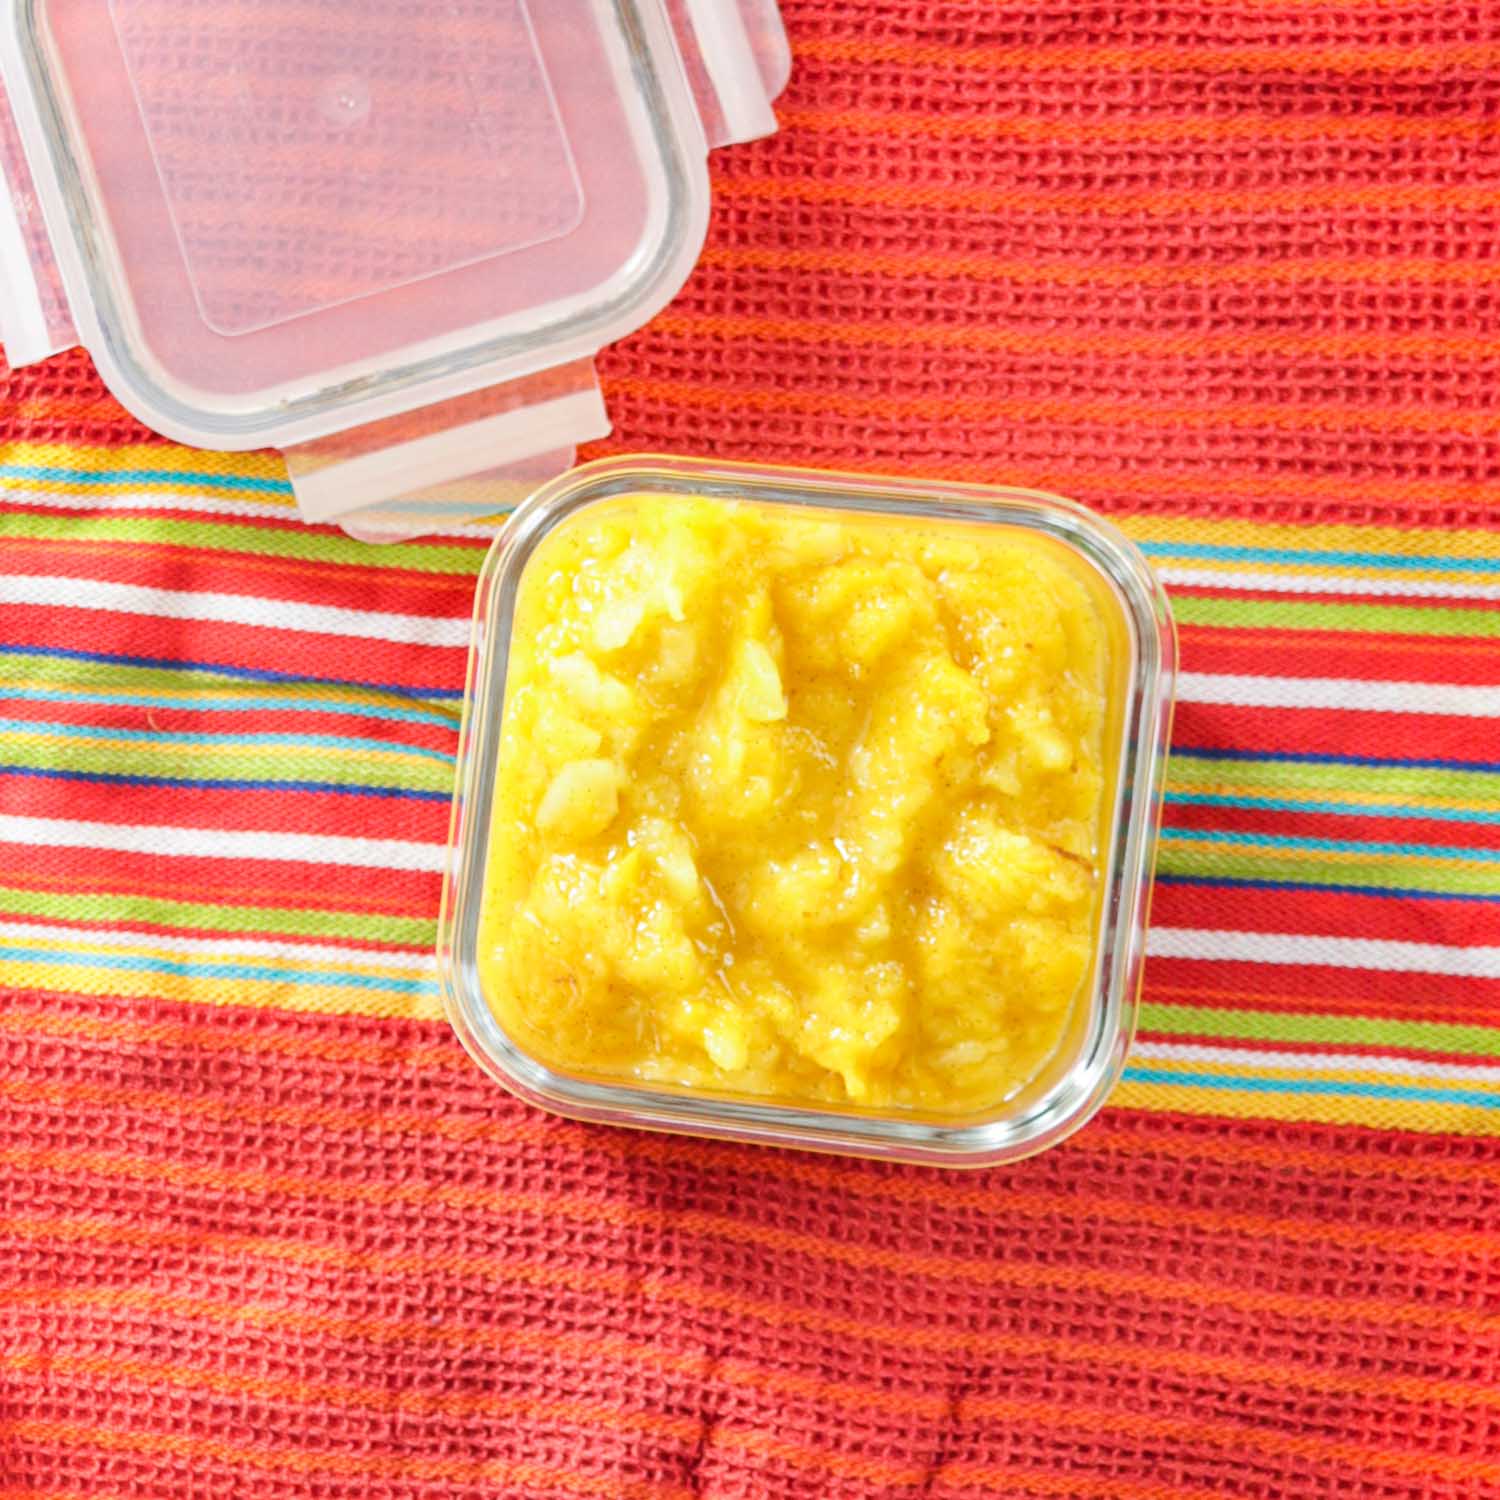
<point x="1206" y="255"/>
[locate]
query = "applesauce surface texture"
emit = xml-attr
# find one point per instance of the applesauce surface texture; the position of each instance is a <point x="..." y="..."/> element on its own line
<point x="798" y="804"/>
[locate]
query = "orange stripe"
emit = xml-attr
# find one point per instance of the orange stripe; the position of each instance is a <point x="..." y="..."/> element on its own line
<point x="592" y="1417"/>
<point x="178" y="1444"/>
<point x="1325" y="417"/>
<point x="1343" y="273"/>
<point x="1184" y="1432"/>
<point x="1448" y="647"/>
<point x="546" y="1275"/>
<point x="1091" y="1356"/>
<point x="1092" y="1421"/>
<point x="274" y="897"/>
<point x="812" y="1173"/>
<point x="615" y="1488"/>
<point x="248" y="562"/>
<point x="636" y="1358"/>
<point x="690" y="325"/>
<point x="1332" y="1007"/>
<point x="1241" y="1149"/>
<point x="1016" y="1204"/>
<point x="1231" y="57"/>
<point x="75" y="1097"/>
<point x="157" y="1103"/>
<point x="1072" y="1486"/>
<point x="109" y="1369"/>
<point x="1368" y="198"/>
<point x="1261" y="128"/>
<point x="422" y="1046"/>
<point x="446" y="1055"/>
<point x="1140" y="1286"/>
<point x="8" y="1492"/>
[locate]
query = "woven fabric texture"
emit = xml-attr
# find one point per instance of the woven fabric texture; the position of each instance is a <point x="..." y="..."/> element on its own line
<point x="1220" y="268"/>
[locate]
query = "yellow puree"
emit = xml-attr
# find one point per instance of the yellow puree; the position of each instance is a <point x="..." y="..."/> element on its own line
<point x="797" y="807"/>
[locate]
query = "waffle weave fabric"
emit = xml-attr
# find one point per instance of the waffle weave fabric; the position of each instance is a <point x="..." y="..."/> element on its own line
<point x="1220" y="268"/>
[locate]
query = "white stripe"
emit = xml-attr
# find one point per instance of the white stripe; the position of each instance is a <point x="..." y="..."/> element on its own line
<point x="81" y="939"/>
<point x="1339" y="692"/>
<point x="1324" y="583"/>
<point x="1316" y="1062"/>
<point x="218" y="843"/>
<point x="124" y="495"/>
<point x="233" y="609"/>
<point x="1332" y="952"/>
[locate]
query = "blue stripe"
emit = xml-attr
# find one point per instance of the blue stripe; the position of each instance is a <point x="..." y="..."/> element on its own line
<point x="246" y="483"/>
<point x="187" y="737"/>
<point x="1360" y="810"/>
<point x="133" y="964"/>
<point x="1328" y="846"/>
<point x="1210" y="552"/>
<point x="1385" y="892"/>
<point x="188" y="783"/>
<point x="233" y="705"/>
<point x="1403" y="1091"/>
<point x="247" y="674"/>
<point x="1293" y="757"/>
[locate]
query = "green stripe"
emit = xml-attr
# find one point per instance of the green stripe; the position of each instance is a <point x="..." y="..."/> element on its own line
<point x="1350" y="1031"/>
<point x="1375" y="781"/>
<point x="172" y="758"/>
<point x="250" y="538"/>
<point x="1296" y="614"/>
<point x="1396" y="873"/>
<point x="65" y="672"/>
<point x="241" y="921"/>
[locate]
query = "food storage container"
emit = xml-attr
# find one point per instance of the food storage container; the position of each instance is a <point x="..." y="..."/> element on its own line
<point x="1073" y="1083"/>
<point x="386" y="239"/>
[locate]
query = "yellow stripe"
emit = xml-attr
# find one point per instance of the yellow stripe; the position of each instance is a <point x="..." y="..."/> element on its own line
<point x="218" y="751"/>
<point x="414" y="969"/>
<point x="1353" y="799"/>
<point x="1335" y="857"/>
<point x="276" y="507"/>
<point x="1233" y="532"/>
<point x="1344" y="1070"/>
<point x="322" y="697"/>
<point x="1229" y="569"/>
<point x="301" y="996"/>
<point x="140" y="458"/>
<point x="1397" y="542"/>
<point x="1321" y="1109"/>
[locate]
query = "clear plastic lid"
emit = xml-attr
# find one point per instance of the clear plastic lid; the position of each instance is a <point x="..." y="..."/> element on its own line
<point x="280" y="223"/>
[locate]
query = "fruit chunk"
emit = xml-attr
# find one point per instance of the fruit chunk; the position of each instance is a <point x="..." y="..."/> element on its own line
<point x="582" y="800"/>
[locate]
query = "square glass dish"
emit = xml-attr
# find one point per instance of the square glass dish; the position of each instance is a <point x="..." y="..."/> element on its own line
<point x="1000" y="872"/>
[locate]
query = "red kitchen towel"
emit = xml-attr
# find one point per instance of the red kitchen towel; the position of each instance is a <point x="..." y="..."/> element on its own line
<point x="1223" y="269"/>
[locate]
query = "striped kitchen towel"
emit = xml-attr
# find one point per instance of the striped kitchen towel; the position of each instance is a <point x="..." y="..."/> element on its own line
<point x="1224" y="270"/>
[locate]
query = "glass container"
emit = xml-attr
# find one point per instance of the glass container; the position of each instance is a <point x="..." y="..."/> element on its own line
<point x="1074" y="1083"/>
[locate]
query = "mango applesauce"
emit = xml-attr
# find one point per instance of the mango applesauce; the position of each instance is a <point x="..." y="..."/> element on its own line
<point x="799" y="804"/>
